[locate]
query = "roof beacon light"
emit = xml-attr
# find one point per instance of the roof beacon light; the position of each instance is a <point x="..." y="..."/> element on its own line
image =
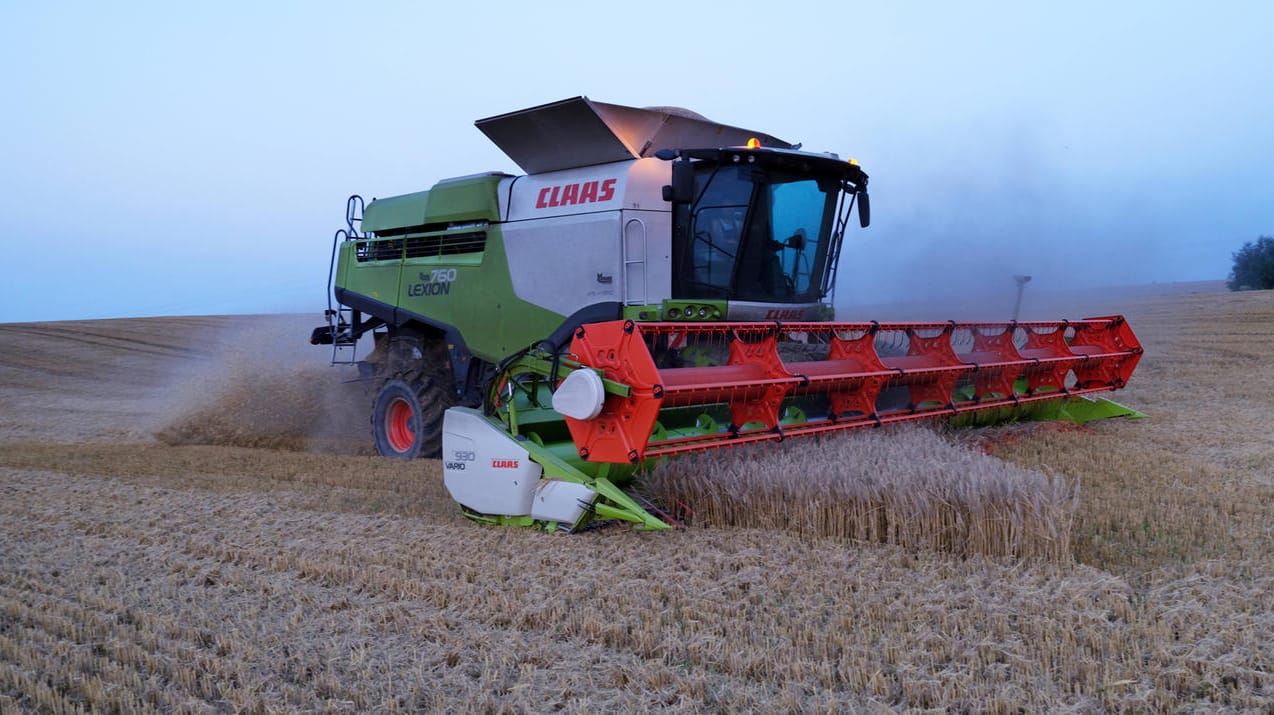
<point x="754" y="143"/>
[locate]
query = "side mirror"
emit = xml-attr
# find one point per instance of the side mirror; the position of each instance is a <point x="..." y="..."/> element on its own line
<point x="796" y="240"/>
<point x="864" y="209"/>
<point x="682" y="188"/>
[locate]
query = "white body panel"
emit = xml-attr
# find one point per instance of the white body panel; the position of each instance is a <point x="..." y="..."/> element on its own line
<point x="647" y="247"/>
<point x="580" y="396"/>
<point x="559" y="501"/>
<point x="566" y="262"/>
<point x="483" y="468"/>
<point x="622" y="185"/>
<point x="595" y="234"/>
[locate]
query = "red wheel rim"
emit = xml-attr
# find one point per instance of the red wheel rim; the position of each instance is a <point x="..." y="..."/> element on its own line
<point x="400" y="425"/>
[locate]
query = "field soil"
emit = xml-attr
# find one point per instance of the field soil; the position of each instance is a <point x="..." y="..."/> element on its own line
<point x="191" y="521"/>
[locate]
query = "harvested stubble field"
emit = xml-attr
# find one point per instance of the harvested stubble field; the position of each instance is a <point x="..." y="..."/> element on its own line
<point x="186" y="524"/>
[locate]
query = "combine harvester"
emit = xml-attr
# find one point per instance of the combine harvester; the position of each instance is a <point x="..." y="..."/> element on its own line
<point x="656" y="284"/>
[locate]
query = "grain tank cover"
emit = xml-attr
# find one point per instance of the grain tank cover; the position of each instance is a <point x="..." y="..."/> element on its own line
<point x="580" y="132"/>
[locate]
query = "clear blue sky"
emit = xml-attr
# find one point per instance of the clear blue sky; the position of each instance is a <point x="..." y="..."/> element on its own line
<point x="173" y="158"/>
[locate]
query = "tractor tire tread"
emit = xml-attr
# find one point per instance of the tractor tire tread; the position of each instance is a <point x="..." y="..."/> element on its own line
<point x="424" y="365"/>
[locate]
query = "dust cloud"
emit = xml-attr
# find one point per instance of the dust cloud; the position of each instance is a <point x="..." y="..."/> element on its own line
<point x="266" y="386"/>
<point x="954" y="223"/>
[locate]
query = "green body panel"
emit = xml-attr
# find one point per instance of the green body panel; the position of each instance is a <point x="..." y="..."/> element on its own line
<point x="471" y="291"/>
<point x="679" y="309"/>
<point x="396" y="212"/>
<point x="479" y="301"/>
<point x="1078" y="409"/>
<point x="377" y="280"/>
<point x="467" y="199"/>
<point x="1082" y="410"/>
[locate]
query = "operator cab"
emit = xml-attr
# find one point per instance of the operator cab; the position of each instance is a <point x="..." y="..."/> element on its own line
<point x="753" y="225"/>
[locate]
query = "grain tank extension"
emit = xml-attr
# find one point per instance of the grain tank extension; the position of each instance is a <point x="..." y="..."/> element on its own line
<point x="654" y="284"/>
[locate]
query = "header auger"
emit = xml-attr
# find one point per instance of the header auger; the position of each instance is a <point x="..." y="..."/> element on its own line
<point x="672" y="278"/>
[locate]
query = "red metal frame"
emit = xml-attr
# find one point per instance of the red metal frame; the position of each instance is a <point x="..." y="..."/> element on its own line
<point x="946" y="368"/>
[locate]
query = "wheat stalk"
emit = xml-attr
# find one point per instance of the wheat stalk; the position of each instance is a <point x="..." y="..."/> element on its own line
<point x="906" y="486"/>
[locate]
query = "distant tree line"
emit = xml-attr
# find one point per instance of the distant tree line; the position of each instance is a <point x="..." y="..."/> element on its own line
<point x="1253" y="266"/>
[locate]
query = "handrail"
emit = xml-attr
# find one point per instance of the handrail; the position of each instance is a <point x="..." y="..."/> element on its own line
<point x="354" y="208"/>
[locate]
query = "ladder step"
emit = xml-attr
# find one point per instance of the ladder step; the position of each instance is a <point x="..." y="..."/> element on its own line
<point x="341" y="334"/>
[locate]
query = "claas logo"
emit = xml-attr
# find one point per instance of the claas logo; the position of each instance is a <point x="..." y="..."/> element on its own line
<point x="587" y="192"/>
<point x="504" y="464"/>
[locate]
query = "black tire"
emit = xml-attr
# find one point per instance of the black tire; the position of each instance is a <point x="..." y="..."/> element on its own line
<point x="414" y="392"/>
<point x="396" y="421"/>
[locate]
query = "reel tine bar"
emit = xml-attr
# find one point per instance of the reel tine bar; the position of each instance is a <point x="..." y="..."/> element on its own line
<point x="858" y="374"/>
